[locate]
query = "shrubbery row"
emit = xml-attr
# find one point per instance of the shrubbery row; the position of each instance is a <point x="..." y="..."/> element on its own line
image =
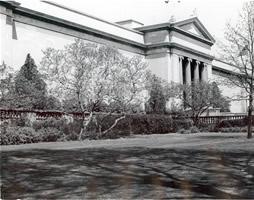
<point x="51" y="130"/>
<point x="234" y="123"/>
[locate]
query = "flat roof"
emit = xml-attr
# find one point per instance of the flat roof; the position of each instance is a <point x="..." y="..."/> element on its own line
<point x="129" y="20"/>
<point x="50" y="8"/>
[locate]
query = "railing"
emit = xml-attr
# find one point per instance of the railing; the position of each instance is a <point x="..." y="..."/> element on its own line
<point x="217" y="119"/>
<point x="38" y="114"/>
<point x="206" y="120"/>
<point x="6" y="114"/>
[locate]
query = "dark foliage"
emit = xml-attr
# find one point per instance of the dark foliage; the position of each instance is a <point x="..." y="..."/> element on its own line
<point x="221" y="102"/>
<point x="52" y="103"/>
<point x="18" y="135"/>
<point x="52" y="129"/>
<point x="49" y="134"/>
<point x="138" y="124"/>
<point x="233" y="123"/>
<point x="157" y="101"/>
<point x="30" y="89"/>
<point x="183" y="123"/>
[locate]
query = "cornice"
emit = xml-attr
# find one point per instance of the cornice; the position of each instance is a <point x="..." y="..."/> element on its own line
<point x="179" y="47"/>
<point x="10" y="4"/>
<point x="67" y="24"/>
<point x="224" y="71"/>
<point x="225" y="62"/>
<point x="191" y="35"/>
<point x="172" y="27"/>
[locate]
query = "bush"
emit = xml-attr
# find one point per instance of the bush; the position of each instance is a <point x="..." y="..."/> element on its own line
<point x="233" y="123"/>
<point x="137" y="124"/>
<point x="70" y="130"/>
<point x="150" y="124"/>
<point x="24" y="135"/>
<point x="53" y="129"/>
<point x="183" y="123"/>
<point x="209" y="128"/>
<point x="50" y="134"/>
<point x="234" y="130"/>
<point x="132" y="124"/>
<point x="157" y="101"/>
<point x="18" y="135"/>
<point x="184" y="131"/>
<point x="194" y="129"/>
<point x="49" y="122"/>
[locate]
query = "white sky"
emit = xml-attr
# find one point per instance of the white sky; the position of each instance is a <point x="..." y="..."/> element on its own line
<point x="213" y="13"/>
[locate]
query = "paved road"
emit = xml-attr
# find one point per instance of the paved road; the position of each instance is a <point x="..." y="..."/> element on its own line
<point x="164" y="166"/>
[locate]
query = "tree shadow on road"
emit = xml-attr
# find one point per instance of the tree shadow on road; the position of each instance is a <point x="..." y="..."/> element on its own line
<point x="127" y="173"/>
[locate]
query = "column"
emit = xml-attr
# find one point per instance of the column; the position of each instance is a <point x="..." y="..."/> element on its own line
<point x="173" y="68"/>
<point x="188" y="71"/>
<point x="196" y="72"/>
<point x="209" y="72"/>
<point x="204" y="74"/>
<point x="181" y="69"/>
<point x="176" y="69"/>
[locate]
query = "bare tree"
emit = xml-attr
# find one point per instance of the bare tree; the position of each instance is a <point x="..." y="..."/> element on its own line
<point x="197" y="98"/>
<point x="96" y="76"/>
<point x="238" y="50"/>
<point x="6" y="84"/>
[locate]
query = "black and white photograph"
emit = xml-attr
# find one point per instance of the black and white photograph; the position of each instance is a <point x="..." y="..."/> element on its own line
<point x="126" y="99"/>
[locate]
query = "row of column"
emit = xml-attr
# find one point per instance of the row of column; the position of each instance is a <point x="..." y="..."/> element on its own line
<point x="192" y="70"/>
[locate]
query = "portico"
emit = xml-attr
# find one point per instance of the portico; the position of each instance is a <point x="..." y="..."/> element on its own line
<point x="191" y="70"/>
<point x="185" y="48"/>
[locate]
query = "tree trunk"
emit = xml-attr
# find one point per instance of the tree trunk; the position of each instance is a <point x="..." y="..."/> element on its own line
<point x="196" y="121"/>
<point x="82" y="127"/>
<point x="195" y="117"/>
<point x="249" y="133"/>
<point x="114" y="124"/>
<point x="85" y="123"/>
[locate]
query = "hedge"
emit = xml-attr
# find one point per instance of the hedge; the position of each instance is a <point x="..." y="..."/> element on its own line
<point x="234" y="123"/>
<point x="139" y="124"/>
<point x="51" y="129"/>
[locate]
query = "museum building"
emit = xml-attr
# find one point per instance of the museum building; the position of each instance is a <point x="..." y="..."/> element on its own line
<point x="178" y="51"/>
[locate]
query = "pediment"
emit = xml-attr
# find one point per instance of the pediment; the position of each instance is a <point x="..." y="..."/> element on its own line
<point x="192" y="29"/>
<point x="194" y="26"/>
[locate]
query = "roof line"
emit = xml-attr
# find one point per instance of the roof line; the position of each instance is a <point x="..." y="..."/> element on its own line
<point x="168" y="26"/>
<point x="154" y="26"/>
<point x="175" y="25"/>
<point x="193" y="35"/>
<point x="88" y="15"/>
<point x="129" y="20"/>
<point x="225" y="62"/>
<point x="62" y="22"/>
<point x="222" y="70"/>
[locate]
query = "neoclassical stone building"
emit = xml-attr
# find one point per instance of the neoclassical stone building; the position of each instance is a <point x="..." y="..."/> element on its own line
<point x="178" y="51"/>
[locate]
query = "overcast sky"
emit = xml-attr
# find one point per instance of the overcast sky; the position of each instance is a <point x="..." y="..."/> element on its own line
<point x="212" y="13"/>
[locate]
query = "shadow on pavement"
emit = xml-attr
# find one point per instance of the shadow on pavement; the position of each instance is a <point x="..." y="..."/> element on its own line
<point x="127" y="173"/>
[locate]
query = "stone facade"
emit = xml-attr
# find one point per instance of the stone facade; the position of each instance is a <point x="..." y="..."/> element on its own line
<point x="178" y="52"/>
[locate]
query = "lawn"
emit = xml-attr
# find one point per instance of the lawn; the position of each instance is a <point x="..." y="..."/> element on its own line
<point x="211" y="165"/>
